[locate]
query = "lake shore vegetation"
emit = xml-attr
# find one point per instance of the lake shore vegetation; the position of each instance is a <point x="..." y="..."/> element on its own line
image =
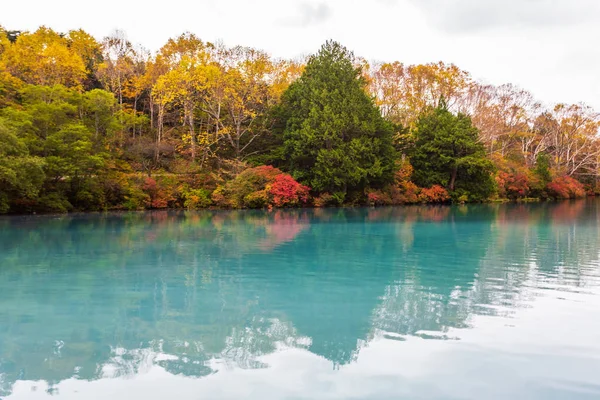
<point x="89" y="124"/>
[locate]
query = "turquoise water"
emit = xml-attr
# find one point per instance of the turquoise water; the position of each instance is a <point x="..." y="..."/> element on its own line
<point x="471" y="302"/>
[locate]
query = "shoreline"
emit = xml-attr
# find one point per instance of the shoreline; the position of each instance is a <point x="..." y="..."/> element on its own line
<point x="275" y="209"/>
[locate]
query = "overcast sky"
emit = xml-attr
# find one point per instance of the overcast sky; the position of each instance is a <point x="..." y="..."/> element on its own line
<point x="550" y="47"/>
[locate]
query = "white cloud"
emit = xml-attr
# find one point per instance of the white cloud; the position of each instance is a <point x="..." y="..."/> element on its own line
<point x="477" y="15"/>
<point x="311" y="14"/>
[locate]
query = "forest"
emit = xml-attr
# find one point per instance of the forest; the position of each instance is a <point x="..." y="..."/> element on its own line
<point x="89" y="124"/>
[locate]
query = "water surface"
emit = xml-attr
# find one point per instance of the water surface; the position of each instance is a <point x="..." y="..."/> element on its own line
<point x="471" y="302"/>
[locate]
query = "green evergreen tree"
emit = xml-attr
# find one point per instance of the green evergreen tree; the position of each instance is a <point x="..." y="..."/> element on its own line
<point x="542" y="169"/>
<point x="447" y="152"/>
<point x="335" y="139"/>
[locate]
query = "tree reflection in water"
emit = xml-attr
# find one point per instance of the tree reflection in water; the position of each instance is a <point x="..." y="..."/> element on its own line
<point x="112" y="295"/>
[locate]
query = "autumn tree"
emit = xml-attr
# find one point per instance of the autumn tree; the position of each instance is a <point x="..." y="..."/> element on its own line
<point x="181" y="76"/>
<point x="387" y="84"/>
<point x="247" y="96"/>
<point x="505" y="116"/>
<point x="44" y="58"/>
<point x="89" y="50"/>
<point x="119" y="62"/>
<point x="175" y="87"/>
<point x="4" y="41"/>
<point x="573" y="142"/>
<point x="404" y="92"/>
<point x="284" y="73"/>
<point x="9" y="84"/>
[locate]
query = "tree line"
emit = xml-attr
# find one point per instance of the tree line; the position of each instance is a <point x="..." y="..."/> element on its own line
<point x="92" y="125"/>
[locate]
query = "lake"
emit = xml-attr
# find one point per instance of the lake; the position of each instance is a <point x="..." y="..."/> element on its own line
<point x="465" y="302"/>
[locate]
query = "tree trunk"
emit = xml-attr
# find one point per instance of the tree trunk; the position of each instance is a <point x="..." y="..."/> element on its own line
<point x="453" y="178"/>
<point x="97" y="124"/>
<point x="134" y="114"/>
<point x="159" y="132"/>
<point x="151" y="114"/>
<point x="189" y="119"/>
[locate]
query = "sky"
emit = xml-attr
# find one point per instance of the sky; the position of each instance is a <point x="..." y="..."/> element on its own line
<point x="549" y="47"/>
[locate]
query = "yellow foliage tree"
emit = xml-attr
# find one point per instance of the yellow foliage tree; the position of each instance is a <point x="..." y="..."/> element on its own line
<point x="247" y="95"/>
<point x="87" y="48"/>
<point x="44" y="58"/>
<point x="403" y="92"/>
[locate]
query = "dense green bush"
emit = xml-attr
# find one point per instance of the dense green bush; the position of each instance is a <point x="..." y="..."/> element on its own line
<point x="54" y="203"/>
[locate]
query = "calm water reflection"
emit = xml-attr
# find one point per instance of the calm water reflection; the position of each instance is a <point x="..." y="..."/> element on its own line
<point x="489" y="301"/>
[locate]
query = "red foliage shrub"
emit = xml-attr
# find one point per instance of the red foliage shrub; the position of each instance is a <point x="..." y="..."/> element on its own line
<point x="565" y="187"/>
<point x="218" y="197"/>
<point x="149" y="185"/>
<point x="378" y="198"/>
<point x="404" y="191"/>
<point x="283" y="227"/>
<point x="323" y="200"/>
<point x="241" y="190"/>
<point x="156" y="196"/>
<point x="259" y="187"/>
<point x="434" y="194"/>
<point x="512" y="185"/>
<point x="267" y="172"/>
<point x="287" y="192"/>
<point x="433" y="213"/>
